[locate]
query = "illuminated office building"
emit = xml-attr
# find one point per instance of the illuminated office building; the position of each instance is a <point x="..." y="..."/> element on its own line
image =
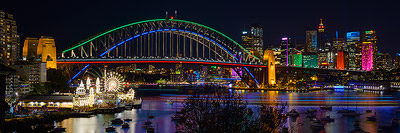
<point x="384" y="62"/>
<point x="352" y="41"/>
<point x="367" y="56"/>
<point x="369" y="36"/>
<point x="397" y="61"/>
<point x="297" y="60"/>
<point x="340" y="61"/>
<point x="311" y="41"/>
<point x="9" y="39"/>
<point x="310" y="60"/>
<point x="284" y="56"/>
<point x="253" y="40"/>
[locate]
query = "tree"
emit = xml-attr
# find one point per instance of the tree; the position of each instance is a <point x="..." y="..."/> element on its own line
<point x="227" y="112"/>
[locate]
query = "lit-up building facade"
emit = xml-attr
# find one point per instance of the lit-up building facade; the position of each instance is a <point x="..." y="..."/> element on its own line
<point x="352" y="40"/>
<point x="47" y="51"/>
<point x="311" y="41"/>
<point x="298" y="60"/>
<point x="310" y="60"/>
<point x="369" y="36"/>
<point x="284" y="56"/>
<point x="367" y="56"/>
<point x="321" y="30"/>
<point x="340" y="61"/>
<point x="9" y="39"/>
<point x="252" y="40"/>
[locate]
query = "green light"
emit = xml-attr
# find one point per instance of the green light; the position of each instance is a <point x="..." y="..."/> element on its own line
<point x="214" y="67"/>
<point x="152" y="20"/>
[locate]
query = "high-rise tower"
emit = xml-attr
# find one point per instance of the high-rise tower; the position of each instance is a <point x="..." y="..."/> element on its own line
<point x="321" y="30"/>
<point x="9" y="39"/>
<point x="253" y="40"/>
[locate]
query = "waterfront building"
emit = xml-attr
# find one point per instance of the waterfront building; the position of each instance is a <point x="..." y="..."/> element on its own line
<point x="51" y="102"/>
<point x="369" y="36"/>
<point x="9" y="39"/>
<point x="323" y="59"/>
<point x="338" y="45"/>
<point x="252" y="40"/>
<point x="310" y="60"/>
<point x="352" y="40"/>
<point x="367" y="56"/>
<point x="311" y="41"/>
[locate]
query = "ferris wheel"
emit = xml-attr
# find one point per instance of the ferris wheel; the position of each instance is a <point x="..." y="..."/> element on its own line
<point x="114" y="82"/>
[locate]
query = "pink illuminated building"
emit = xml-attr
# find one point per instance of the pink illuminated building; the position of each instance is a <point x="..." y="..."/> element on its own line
<point x="367" y="56"/>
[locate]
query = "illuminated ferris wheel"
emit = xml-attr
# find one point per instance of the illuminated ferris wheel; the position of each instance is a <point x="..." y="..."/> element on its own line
<point x="114" y="82"/>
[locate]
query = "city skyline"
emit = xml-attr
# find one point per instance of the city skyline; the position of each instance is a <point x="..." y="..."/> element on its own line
<point x="68" y="26"/>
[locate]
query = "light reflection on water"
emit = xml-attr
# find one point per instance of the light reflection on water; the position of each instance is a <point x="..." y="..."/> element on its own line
<point x="384" y="104"/>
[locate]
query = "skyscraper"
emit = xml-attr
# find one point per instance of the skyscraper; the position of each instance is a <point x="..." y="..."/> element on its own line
<point x="321" y="30"/>
<point x="367" y="56"/>
<point x="284" y="52"/>
<point x="9" y="39"/>
<point x="253" y="40"/>
<point x="311" y="41"/>
<point x="370" y="37"/>
<point x="352" y="40"/>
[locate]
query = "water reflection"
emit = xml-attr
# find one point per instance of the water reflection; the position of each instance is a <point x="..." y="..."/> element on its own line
<point x="384" y="104"/>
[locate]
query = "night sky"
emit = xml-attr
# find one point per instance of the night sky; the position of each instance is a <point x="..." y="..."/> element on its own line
<point x="71" y="21"/>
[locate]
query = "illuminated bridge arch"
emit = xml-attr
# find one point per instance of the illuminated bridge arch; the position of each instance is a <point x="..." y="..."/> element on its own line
<point x="160" y="40"/>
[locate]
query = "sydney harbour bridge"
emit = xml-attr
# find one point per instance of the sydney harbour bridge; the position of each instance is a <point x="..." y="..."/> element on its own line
<point x="164" y="41"/>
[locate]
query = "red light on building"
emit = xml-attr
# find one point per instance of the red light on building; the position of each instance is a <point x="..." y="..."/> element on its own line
<point x="340" y="61"/>
<point x="172" y="17"/>
<point x="324" y="63"/>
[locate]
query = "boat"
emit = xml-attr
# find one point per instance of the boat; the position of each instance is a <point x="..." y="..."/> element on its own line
<point x="127" y="119"/>
<point x="293" y="113"/>
<point x="326" y="107"/>
<point x="125" y="125"/>
<point x="150" y="129"/>
<point x="371" y="118"/>
<point x="150" y="116"/>
<point x="327" y="119"/>
<point x="117" y="121"/>
<point x="110" y="129"/>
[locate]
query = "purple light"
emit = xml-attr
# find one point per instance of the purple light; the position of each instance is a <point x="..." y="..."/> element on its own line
<point x="367" y="56"/>
<point x="285" y="38"/>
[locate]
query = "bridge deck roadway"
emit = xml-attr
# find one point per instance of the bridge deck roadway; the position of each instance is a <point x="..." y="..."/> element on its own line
<point x="152" y="61"/>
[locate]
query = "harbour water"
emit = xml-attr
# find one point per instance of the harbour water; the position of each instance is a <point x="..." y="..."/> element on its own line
<point x="382" y="104"/>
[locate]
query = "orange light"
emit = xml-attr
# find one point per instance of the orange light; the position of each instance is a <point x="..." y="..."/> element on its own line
<point x="172" y="17"/>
